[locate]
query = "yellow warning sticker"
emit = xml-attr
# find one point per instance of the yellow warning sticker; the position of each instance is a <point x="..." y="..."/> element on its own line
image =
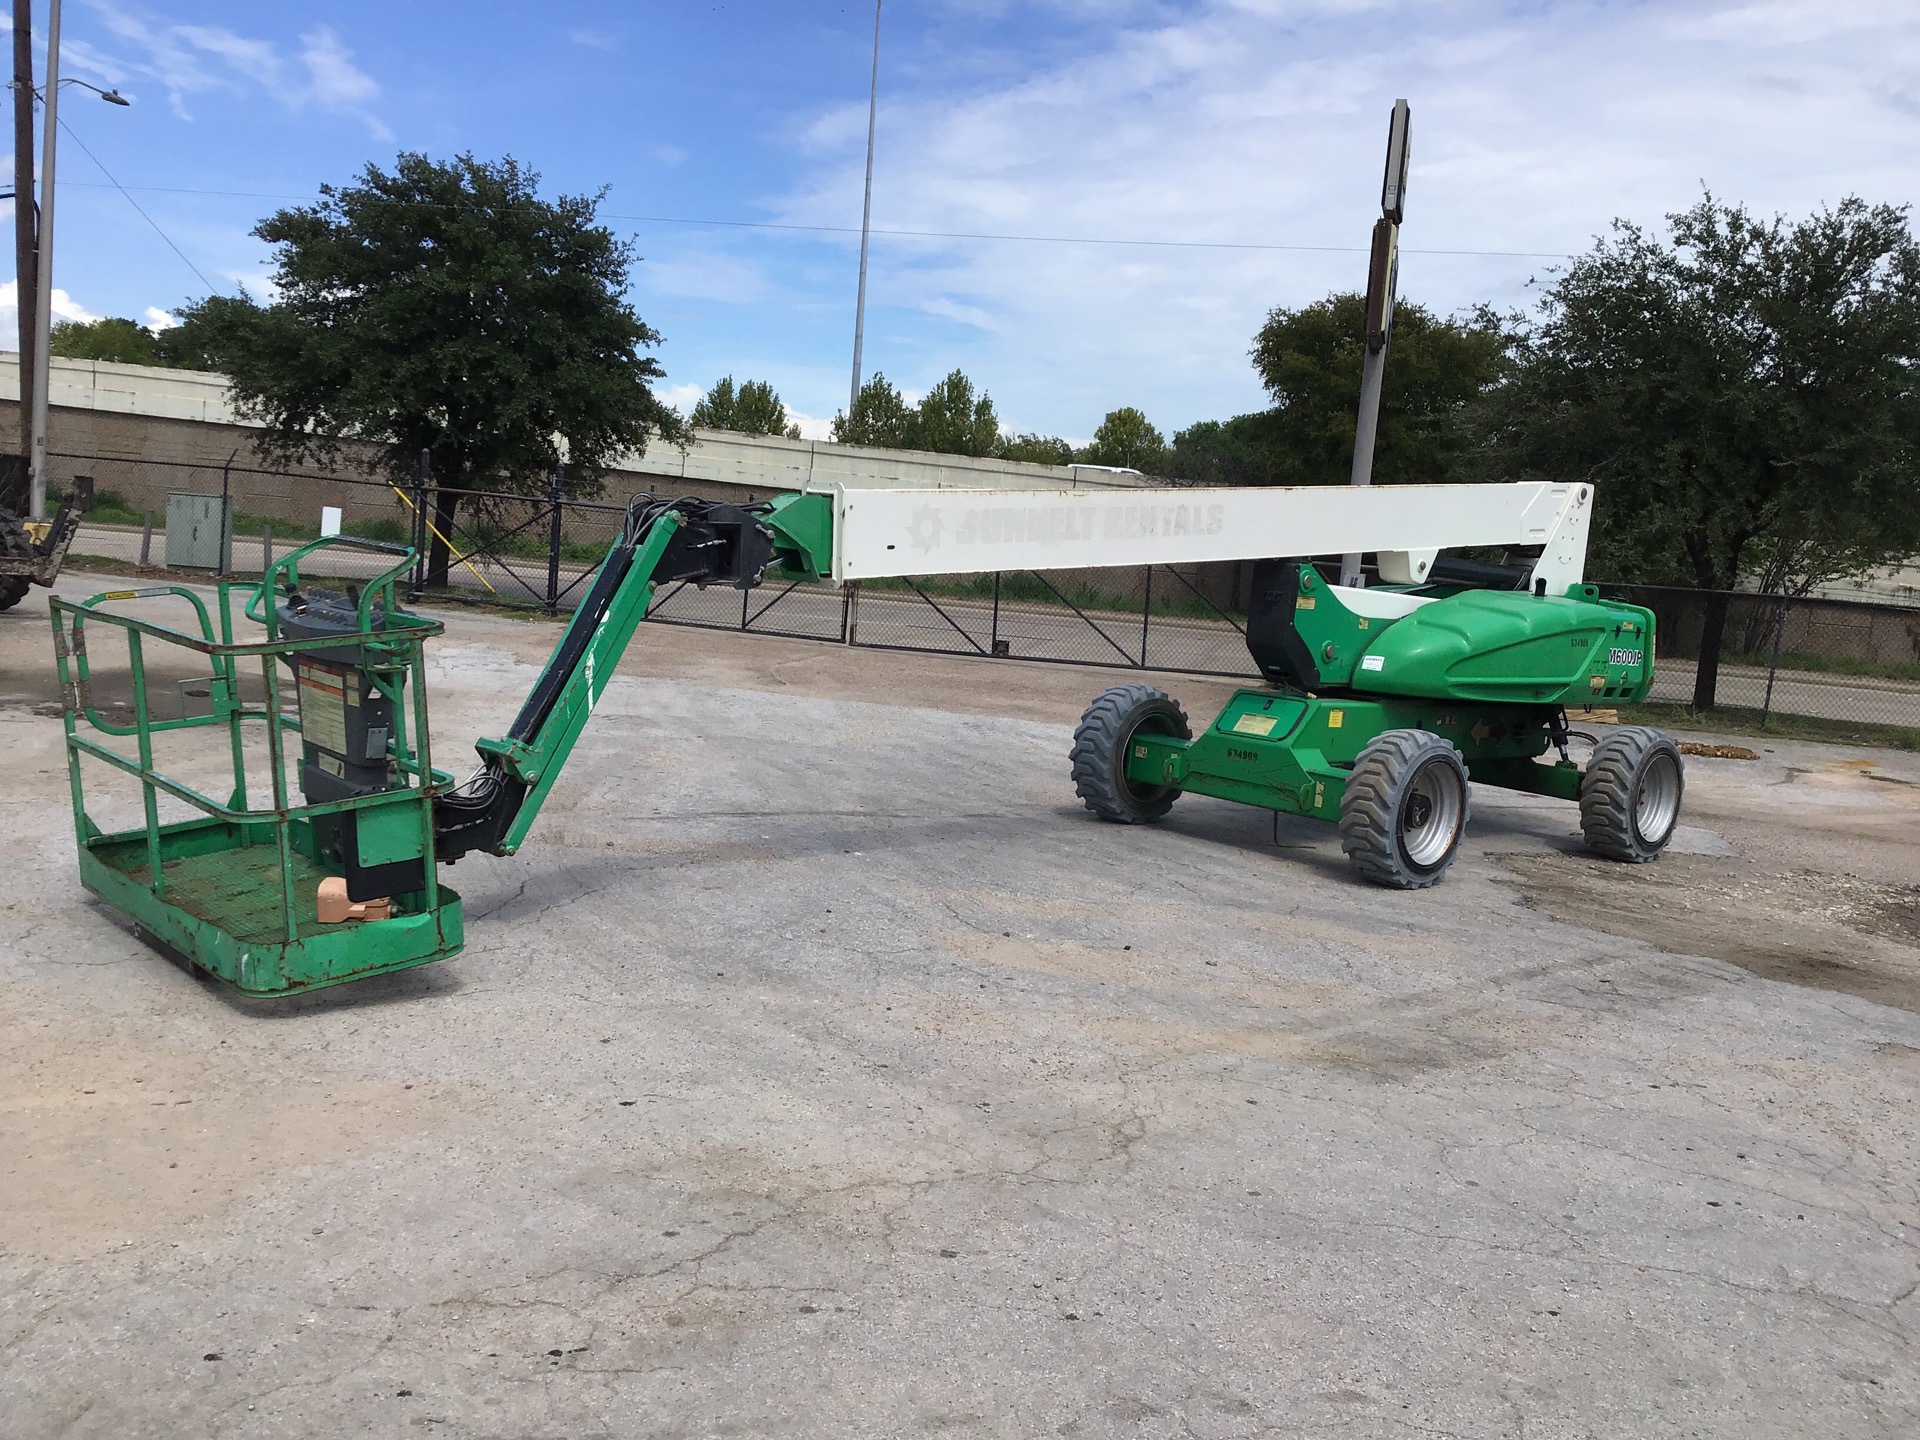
<point x="120" y="595"/>
<point x="1255" y="724"/>
<point x="1335" y="719"/>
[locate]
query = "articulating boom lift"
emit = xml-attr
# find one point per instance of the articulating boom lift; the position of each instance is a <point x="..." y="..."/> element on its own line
<point x="1381" y="702"/>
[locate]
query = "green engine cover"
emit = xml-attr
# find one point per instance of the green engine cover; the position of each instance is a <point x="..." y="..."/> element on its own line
<point x="1512" y="647"/>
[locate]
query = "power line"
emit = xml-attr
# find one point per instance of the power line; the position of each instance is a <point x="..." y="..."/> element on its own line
<point x="136" y="205"/>
<point x="909" y="234"/>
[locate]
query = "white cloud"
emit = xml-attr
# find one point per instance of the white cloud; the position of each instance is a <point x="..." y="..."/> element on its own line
<point x="684" y="397"/>
<point x="1263" y="122"/>
<point x="966" y="314"/>
<point x="195" y="59"/>
<point x="708" y="276"/>
<point x="65" y="307"/>
<point x="158" y="319"/>
<point x="335" y="83"/>
<point x="812" y="427"/>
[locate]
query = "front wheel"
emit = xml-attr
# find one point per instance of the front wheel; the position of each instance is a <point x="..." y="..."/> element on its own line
<point x="1100" y="752"/>
<point x="1630" y="795"/>
<point x="1404" y="809"/>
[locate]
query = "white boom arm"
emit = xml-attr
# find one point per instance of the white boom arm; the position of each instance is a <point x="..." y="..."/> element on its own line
<point x="879" y="533"/>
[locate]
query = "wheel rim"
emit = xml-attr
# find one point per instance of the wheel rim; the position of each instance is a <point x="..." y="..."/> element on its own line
<point x="1657" y="805"/>
<point x="1430" y="814"/>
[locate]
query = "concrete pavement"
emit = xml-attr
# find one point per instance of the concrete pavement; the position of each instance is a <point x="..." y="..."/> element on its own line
<point x="821" y="1069"/>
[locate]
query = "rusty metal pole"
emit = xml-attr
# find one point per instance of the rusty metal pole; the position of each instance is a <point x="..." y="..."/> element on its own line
<point x="1383" y="269"/>
<point x="26" y="264"/>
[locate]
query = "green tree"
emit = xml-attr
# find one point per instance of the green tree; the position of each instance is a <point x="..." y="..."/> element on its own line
<point x="1309" y="360"/>
<point x="116" y="339"/>
<point x="880" y="417"/>
<point x="1127" y="438"/>
<point x="949" y="419"/>
<point x="1741" y="394"/>
<point x="1236" y="452"/>
<point x="207" y="330"/>
<point x="952" y="420"/>
<point x="445" y="307"/>
<point x="753" y="408"/>
<point x="1036" y="449"/>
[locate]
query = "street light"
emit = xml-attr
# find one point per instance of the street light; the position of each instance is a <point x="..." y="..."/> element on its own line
<point x="112" y="97"/>
<point x="866" y="218"/>
<point x="43" y="279"/>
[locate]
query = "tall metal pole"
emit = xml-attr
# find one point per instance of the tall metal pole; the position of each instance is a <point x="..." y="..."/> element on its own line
<point x="25" y="259"/>
<point x="43" y="289"/>
<point x="1383" y="273"/>
<point x="866" y="216"/>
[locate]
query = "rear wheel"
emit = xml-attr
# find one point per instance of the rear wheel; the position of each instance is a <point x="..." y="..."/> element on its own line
<point x="1100" y="752"/>
<point x="1404" y="809"/>
<point x="15" y="544"/>
<point x="1630" y="795"/>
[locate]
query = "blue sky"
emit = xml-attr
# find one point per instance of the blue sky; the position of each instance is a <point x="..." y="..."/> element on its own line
<point x="1220" y="124"/>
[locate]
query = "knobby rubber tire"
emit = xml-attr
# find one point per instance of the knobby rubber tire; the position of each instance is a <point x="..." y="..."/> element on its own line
<point x="1627" y="778"/>
<point x="1099" y="752"/>
<point x="15" y="544"/>
<point x="1376" y="804"/>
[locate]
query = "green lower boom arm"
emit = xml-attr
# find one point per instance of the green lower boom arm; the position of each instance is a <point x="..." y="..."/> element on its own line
<point x="681" y="541"/>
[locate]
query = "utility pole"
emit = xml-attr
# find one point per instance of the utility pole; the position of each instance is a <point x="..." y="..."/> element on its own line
<point x="43" y="287"/>
<point x="866" y="216"/>
<point x="25" y="241"/>
<point x="1383" y="274"/>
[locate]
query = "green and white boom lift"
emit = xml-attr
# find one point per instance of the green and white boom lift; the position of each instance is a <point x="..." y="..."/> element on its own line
<point x="1381" y="702"/>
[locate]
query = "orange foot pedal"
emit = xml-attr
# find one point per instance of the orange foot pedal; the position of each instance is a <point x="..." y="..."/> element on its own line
<point x="335" y="907"/>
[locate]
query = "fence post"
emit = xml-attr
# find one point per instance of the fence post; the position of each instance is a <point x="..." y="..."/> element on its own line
<point x="146" y="538"/>
<point x="852" y="621"/>
<point x="556" y="488"/>
<point x="266" y="549"/>
<point x="994" y="648"/>
<point x="423" y="477"/>
<point x="226" y="514"/>
<point x="1773" y="664"/>
<point x="1146" y="613"/>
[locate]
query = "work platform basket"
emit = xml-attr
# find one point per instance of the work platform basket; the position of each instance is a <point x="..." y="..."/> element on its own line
<point x="233" y="888"/>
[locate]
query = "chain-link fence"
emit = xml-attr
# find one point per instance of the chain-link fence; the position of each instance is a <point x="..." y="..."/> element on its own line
<point x="1832" y="660"/>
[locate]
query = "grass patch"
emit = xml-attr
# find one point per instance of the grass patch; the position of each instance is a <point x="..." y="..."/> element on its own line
<point x="1745" y="720"/>
<point x="1847" y="665"/>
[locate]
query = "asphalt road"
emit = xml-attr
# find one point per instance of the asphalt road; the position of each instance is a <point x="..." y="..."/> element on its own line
<point x="820" y="1068"/>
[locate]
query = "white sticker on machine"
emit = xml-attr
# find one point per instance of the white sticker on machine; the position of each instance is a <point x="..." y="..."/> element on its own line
<point x="1373" y="662"/>
<point x="323" y="708"/>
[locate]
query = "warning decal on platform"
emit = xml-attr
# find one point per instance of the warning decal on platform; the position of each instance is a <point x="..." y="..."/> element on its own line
<point x="323" y="708"/>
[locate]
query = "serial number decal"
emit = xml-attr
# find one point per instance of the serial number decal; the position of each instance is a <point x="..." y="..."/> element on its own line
<point x="1620" y="656"/>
